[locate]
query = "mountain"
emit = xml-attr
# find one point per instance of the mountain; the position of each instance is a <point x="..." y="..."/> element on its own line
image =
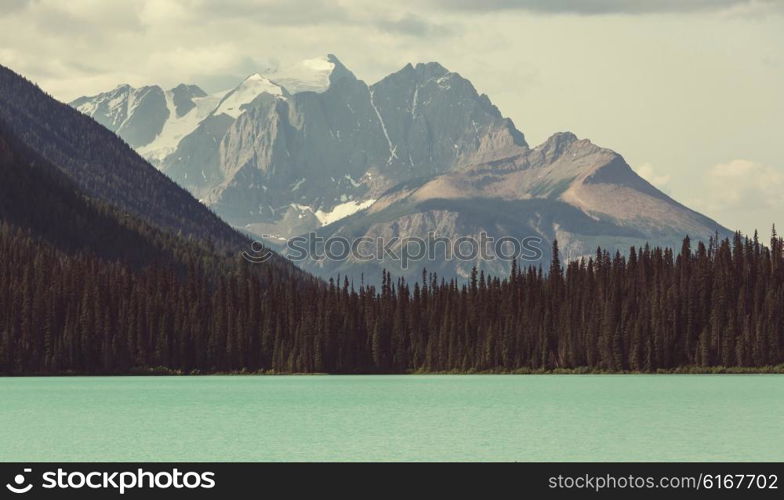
<point x="313" y="148"/>
<point x="304" y="146"/>
<point x="567" y="189"/>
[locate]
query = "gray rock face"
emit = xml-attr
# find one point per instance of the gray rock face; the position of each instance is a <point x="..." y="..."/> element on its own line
<point x="288" y="158"/>
<point x="435" y="120"/>
<point x="310" y="149"/>
<point x="194" y="164"/>
<point x="182" y="96"/>
<point x="145" y="120"/>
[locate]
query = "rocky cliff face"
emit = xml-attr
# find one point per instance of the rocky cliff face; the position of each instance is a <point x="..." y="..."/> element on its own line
<point x="435" y="121"/>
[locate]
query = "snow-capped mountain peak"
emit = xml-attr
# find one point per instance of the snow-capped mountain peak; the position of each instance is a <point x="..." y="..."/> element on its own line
<point x="246" y="92"/>
<point x="309" y="75"/>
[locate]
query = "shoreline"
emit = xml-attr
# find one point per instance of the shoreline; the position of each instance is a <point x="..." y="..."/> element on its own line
<point x="166" y="372"/>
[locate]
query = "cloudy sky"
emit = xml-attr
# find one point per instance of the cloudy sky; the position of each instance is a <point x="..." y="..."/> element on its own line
<point x="689" y="91"/>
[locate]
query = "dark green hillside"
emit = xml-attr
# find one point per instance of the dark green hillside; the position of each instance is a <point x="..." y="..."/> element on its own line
<point x="102" y="166"/>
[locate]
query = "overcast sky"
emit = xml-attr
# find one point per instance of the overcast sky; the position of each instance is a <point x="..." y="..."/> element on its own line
<point x="689" y="91"/>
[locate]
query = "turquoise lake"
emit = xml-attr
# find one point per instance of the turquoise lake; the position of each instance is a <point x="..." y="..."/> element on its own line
<point x="408" y="417"/>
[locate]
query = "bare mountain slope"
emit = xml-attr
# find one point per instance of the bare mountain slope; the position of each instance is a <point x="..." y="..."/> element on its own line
<point x="569" y="189"/>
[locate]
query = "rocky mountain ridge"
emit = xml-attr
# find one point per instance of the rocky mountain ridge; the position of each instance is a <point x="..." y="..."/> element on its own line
<point x="419" y="152"/>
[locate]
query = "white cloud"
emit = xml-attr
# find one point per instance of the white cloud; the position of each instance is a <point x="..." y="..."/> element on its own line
<point x="75" y="48"/>
<point x="742" y="194"/>
<point x="163" y="11"/>
<point x="647" y="172"/>
<point x="744" y="184"/>
<point x="220" y="57"/>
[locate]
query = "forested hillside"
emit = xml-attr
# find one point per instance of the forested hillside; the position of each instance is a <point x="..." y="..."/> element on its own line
<point x="102" y="166"/>
<point x="43" y="201"/>
<point x="717" y="306"/>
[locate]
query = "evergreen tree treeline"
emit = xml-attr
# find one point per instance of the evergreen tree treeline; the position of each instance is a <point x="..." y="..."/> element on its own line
<point x="720" y="304"/>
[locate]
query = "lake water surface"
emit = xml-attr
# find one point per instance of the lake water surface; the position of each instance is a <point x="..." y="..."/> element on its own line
<point x="409" y="417"/>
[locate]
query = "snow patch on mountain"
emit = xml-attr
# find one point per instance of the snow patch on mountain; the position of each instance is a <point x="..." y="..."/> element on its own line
<point x="311" y="75"/>
<point x="337" y="213"/>
<point x="352" y="181"/>
<point x="392" y="147"/>
<point x="342" y="211"/>
<point x="176" y="128"/>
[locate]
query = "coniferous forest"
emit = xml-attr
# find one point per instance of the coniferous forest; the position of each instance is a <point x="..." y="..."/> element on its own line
<point x="719" y="304"/>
